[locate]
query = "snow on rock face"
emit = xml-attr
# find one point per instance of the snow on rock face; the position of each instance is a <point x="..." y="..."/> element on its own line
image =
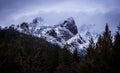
<point x="70" y="25"/>
<point x="65" y="33"/>
<point x="62" y="34"/>
<point x="76" y="42"/>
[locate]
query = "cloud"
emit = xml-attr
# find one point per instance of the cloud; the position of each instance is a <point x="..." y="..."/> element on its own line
<point x="55" y="11"/>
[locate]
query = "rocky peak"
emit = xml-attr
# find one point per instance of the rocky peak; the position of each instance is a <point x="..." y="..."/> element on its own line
<point x="52" y="33"/>
<point x="37" y="20"/>
<point x="61" y="34"/>
<point x="70" y="25"/>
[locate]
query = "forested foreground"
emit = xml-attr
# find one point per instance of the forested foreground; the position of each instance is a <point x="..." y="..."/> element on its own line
<point x="21" y="53"/>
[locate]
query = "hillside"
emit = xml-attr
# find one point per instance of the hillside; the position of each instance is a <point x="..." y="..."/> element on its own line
<point x="25" y="53"/>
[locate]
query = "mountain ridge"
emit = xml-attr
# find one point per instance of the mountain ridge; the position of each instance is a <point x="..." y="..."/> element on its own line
<point x="65" y="33"/>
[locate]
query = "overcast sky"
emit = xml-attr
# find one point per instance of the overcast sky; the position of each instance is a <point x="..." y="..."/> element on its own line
<point x="97" y="12"/>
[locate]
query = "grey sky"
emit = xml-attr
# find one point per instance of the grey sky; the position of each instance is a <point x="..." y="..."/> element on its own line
<point x="96" y="12"/>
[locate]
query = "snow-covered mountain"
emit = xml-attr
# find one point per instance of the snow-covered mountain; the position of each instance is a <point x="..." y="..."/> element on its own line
<point x="61" y="33"/>
<point x="65" y="33"/>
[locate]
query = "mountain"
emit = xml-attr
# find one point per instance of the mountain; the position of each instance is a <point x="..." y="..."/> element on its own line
<point x="22" y="53"/>
<point x="65" y="33"/>
<point x="61" y="33"/>
<point x="31" y="48"/>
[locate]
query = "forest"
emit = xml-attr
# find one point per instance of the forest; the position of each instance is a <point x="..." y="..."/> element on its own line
<point x="22" y="53"/>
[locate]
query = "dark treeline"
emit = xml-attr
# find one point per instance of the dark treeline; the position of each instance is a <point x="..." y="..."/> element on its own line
<point x="21" y="53"/>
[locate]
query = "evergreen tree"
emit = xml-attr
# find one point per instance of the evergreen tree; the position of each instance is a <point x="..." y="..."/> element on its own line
<point x="107" y="37"/>
<point x="91" y="48"/>
<point x="66" y="56"/>
<point x="104" y="44"/>
<point x="76" y="58"/>
<point x="116" y="54"/>
<point x="88" y="64"/>
<point x="103" y="48"/>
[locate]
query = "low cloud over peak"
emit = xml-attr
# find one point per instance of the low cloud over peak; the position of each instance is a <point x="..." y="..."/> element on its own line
<point x="54" y="11"/>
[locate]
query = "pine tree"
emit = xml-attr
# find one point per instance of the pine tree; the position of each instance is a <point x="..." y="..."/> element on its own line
<point x="91" y="48"/>
<point x="116" y="54"/>
<point x="107" y="37"/>
<point x="104" y="44"/>
<point x="88" y="64"/>
<point x="76" y="58"/>
<point x="66" y="56"/>
<point x="103" y="49"/>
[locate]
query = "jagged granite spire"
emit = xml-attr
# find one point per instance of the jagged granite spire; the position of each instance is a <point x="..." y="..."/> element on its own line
<point x="70" y="25"/>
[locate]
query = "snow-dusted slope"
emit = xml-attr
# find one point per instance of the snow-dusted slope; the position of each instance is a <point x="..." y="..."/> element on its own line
<point x="76" y="42"/>
<point x="62" y="34"/>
